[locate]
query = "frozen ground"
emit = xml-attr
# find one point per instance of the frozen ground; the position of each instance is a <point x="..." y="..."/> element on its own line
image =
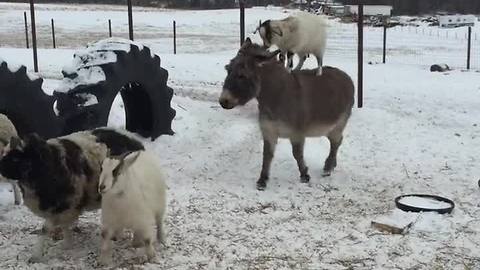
<point x="419" y="132"/>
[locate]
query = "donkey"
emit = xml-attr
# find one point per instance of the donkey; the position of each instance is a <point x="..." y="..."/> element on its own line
<point x="292" y="105"/>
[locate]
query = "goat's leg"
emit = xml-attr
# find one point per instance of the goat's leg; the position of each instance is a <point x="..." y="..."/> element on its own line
<point x="17" y="194"/>
<point x="331" y="161"/>
<point x="67" y="242"/>
<point x="290" y="61"/>
<point x="320" y="64"/>
<point x="302" y="58"/>
<point x="281" y="57"/>
<point x="106" y="249"/>
<point x="297" y="150"/>
<point x="149" y="249"/>
<point x="268" y="151"/>
<point x="39" y="248"/>
<point x="160" y="228"/>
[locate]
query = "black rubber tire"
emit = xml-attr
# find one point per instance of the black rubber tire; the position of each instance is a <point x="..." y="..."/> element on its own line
<point x="24" y="102"/>
<point x="142" y="84"/>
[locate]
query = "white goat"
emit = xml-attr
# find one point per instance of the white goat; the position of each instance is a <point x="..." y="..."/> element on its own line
<point x="7" y="131"/>
<point x="302" y="34"/>
<point x="133" y="197"/>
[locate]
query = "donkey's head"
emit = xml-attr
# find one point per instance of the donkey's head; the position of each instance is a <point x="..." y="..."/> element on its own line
<point x="243" y="82"/>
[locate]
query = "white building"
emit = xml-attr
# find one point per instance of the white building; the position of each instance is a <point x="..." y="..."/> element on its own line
<point x="372" y="10"/>
<point x="448" y="21"/>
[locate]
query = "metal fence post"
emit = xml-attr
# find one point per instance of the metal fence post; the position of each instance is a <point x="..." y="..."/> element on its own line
<point x="174" y="37"/>
<point x="469" y="46"/>
<point x="384" y="41"/>
<point x="34" y="36"/>
<point x="130" y="20"/>
<point x="109" y="28"/>
<point x="242" y="21"/>
<point x="53" y="35"/>
<point x="360" y="56"/>
<point x="26" y="28"/>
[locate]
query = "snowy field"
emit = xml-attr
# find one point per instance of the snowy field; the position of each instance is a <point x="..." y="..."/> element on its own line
<point x="419" y="132"/>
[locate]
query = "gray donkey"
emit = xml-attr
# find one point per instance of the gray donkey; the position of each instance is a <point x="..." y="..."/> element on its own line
<point x="292" y="105"/>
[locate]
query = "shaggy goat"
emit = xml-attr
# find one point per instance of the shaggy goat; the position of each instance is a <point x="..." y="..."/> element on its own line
<point x="133" y="197"/>
<point x="292" y="105"/>
<point x="7" y="131"/>
<point x="302" y="34"/>
<point x="59" y="177"/>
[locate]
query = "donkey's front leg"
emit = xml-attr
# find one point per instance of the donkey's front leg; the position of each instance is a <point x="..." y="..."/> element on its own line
<point x="268" y="151"/>
<point x="297" y="149"/>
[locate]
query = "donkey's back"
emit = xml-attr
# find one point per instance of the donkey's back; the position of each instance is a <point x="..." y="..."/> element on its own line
<point x="327" y="96"/>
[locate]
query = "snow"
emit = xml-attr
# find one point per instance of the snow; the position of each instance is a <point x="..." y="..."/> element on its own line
<point x="423" y="202"/>
<point x="418" y="132"/>
<point x="87" y="63"/>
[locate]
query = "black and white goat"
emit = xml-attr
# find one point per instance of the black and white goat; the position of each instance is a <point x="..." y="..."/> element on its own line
<point x="59" y="177"/>
<point x="301" y="34"/>
<point x="7" y="131"/>
<point x="133" y="197"/>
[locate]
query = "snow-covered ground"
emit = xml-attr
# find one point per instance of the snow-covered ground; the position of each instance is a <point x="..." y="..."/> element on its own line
<point x="419" y="132"/>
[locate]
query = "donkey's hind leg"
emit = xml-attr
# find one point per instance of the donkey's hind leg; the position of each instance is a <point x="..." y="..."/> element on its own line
<point x="335" y="137"/>
<point x="297" y="150"/>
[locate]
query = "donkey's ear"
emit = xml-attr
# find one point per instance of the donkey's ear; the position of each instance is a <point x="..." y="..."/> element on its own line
<point x="126" y="160"/>
<point x="246" y="43"/>
<point x="264" y="58"/>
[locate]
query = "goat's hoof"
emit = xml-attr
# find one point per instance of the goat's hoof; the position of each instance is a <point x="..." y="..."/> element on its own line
<point x="327" y="173"/>
<point x="261" y="185"/>
<point x="104" y="261"/>
<point x="36" y="259"/>
<point x="305" y="178"/>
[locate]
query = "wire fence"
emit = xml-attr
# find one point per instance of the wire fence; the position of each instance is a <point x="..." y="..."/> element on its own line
<point x="408" y="45"/>
<point x="404" y="44"/>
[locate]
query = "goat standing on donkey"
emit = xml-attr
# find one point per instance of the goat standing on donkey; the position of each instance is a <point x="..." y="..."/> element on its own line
<point x="292" y="105"/>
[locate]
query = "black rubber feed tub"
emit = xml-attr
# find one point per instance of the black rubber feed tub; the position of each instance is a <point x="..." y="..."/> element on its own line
<point x="412" y="208"/>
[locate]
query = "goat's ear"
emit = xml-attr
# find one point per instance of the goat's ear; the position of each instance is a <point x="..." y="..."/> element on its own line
<point x="33" y="138"/>
<point x="276" y="30"/>
<point x="16" y="143"/>
<point x="126" y="160"/>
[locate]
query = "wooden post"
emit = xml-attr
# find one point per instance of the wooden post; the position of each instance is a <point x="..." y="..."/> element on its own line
<point x="174" y="37"/>
<point x="242" y="21"/>
<point x="384" y="41"/>
<point x="109" y="28"/>
<point x="130" y="20"/>
<point x="53" y="35"/>
<point x="360" y="56"/>
<point x="469" y="46"/>
<point x="34" y="36"/>
<point x="26" y="28"/>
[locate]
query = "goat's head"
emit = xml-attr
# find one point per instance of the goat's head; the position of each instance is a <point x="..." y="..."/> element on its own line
<point x="112" y="168"/>
<point x="243" y="82"/>
<point x="20" y="157"/>
<point x="267" y="31"/>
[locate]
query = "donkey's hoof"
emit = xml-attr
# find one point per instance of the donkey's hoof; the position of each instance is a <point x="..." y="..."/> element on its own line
<point x="305" y="178"/>
<point x="261" y="185"/>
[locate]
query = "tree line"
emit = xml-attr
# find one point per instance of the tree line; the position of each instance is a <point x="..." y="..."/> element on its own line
<point x="200" y="4"/>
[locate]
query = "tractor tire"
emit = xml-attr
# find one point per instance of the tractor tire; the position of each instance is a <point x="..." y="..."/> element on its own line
<point x="23" y="101"/>
<point x="134" y="72"/>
